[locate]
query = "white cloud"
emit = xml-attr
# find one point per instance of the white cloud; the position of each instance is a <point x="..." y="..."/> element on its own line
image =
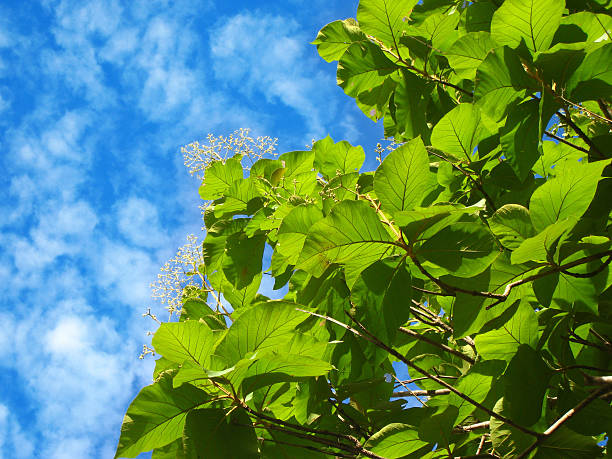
<point x="273" y="61"/>
<point x="126" y="274"/>
<point x="12" y="437"/>
<point x="138" y="221"/>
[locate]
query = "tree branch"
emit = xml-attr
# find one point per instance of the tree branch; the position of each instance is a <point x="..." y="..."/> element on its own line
<point x="562" y="140"/>
<point x="442" y="346"/>
<point x="422" y="393"/>
<point x="365" y="334"/>
<point x="477" y="184"/>
<point x="567" y="118"/>
<point x="566" y="417"/>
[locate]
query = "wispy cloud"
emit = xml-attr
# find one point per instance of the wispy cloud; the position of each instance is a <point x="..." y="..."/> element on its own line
<point x="261" y="53"/>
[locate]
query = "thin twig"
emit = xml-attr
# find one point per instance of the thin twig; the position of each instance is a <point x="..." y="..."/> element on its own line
<point x="442" y="346"/>
<point x="408" y="390"/>
<point x="414" y="380"/>
<point x="562" y="140"/>
<point x="310" y="448"/>
<point x="469" y="428"/>
<point x="423" y="393"/>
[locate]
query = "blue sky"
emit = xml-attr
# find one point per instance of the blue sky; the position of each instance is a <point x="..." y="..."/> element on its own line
<point x="96" y="99"/>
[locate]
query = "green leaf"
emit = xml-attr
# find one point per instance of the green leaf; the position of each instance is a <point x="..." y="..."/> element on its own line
<point x="334" y="39"/>
<point x="502" y="343"/>
<point x="333" y="158"/>
<point x="593" y="78"/>
<point x="476" y="384"/>
<point x="520" y="137"/>
<point x="394" y="440"/>
<point x="460" y="131"/>
<point x="275" y="367"/>
<point x="409" y="117"/>
<point x="351" y="235"/>
<point x="567" y="195"/>
<point x="467" y="53"/>
<point x="243" y="258"/>
<point x="403" y="179"/>
<point x="584" y="27"/>
<point x="363" y="67"/>
<point x="531" y="21"/>
<point x="384" y="19"/>
<point x="184" y="341"/>
<point x="567" y="444"/>
<point x="156" y="416"/>
<point x="510" y="442"/>
<point x="539" y="248"/>
<point x="216" y="433"/>
<point x="262" y="327"/>
<point x="461" y="249"/>
<point x="478" y="17"/>
<point x="554" y="155"/>
<point x="218" y="177"/>
<point x="377" y="294"/>
<point x="293" y="230"/>
<point x="511" y="225"/>
<point x="500" y="82"/>
<point x="526" y="380"/>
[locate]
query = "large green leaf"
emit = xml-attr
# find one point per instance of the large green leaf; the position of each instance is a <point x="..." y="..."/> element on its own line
<point x="567" y="444"/>
<point x="403" y="179"/>
<point x="511" y="225"/>
<point x="520" y="137"/>
<point x="333" y="158"/>
<point x="242" y="261"/>
<point x="262" y="327"/>
<point x="380" y="296"/>
<point x="351" y="235"/>
<point x="539" y="248"/>
<point x="500" y="82"/>
<point x="384" y="19"/>
<point x="394" y="440"/>
<point x="363" y="67"/>
<point x="275" y="367"/>
<point x="157" y="415"/>
<point x="218" y="177"/>
<point x="184" y="341"/>
<point x="409" y="117"/>
<point x="466" y="54"/>
<point x="584" y="27"/>
<point x="532" y="21"/>
<point x="460" y="131"/>
<point x="526" y="380"/>
<point x="593" y="78"/>
<point x="292" y="232"/>
<point x="216" y="433"/>
<point x="463" y="249"/>
<point x="567" y="195"/>
<point x="334" y="39"/>
<point x="502" y="343"/>
<point x="476" y="384"/>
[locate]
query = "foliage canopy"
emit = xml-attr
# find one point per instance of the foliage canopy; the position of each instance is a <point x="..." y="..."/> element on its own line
<point x="477" y="255"/>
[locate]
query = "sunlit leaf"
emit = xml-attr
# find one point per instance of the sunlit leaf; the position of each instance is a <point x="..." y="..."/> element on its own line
<point x="156" y="416"/>
<point x="403" y="179"/>
<point x="534" y="22"/>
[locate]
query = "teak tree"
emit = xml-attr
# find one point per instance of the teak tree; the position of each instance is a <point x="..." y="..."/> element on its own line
<point x="477" y="255"/>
